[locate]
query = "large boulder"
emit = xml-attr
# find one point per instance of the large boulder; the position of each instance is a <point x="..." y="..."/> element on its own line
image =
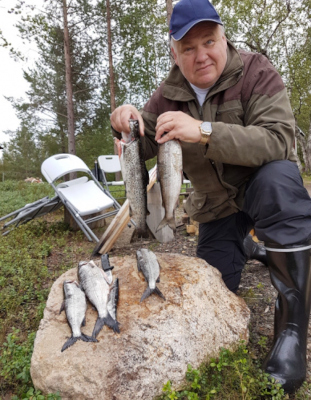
<point x="157" y="339"/>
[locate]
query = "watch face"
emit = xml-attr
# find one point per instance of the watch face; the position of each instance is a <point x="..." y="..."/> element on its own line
<point x="206" y="126"/>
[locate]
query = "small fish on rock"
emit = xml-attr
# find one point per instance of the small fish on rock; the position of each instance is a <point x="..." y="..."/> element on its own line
<point x="148" y="264"/>
<point x="75" y="308"/>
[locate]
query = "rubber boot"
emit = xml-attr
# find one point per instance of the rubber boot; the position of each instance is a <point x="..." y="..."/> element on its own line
<point x="290" y="275"/>
<point x="254" y="251"/>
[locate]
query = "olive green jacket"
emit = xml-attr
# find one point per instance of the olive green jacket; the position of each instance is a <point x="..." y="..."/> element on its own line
<point x="252" y="124"/>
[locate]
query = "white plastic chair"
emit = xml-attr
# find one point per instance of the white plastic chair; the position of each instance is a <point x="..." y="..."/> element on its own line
<point x="109" y="164"/>
<point x="80" y="196"/>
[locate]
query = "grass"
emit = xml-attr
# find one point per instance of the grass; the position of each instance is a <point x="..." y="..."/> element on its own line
<point x="33" y="256"/>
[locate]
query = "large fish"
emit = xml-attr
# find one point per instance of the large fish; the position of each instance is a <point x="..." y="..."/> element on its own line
<point x="75" y="308"/>
<point x="148" y="264"/>
<point x="169" y="166"/>
<point x="94" y="282"/>
<point x="135" y="177"/>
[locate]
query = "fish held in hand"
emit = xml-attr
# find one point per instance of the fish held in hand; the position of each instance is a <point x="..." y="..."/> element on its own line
<point x="148" y="264"/>
<point x="170" y="168"/>
<point x="94" y="282"/>
<point x="75" y="308"/>
<point x="135" y="177"/>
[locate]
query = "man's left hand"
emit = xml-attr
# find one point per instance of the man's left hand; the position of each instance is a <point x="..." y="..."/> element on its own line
<point x="177" y="125"/>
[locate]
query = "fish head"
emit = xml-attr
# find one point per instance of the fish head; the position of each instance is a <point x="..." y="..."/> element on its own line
<point x="69" y="287"/>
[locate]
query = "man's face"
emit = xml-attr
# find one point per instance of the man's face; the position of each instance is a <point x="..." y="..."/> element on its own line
<point x="202" y="54"/>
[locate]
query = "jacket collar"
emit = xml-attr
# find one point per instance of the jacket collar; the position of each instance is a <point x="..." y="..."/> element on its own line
<point x="177" y="88"/>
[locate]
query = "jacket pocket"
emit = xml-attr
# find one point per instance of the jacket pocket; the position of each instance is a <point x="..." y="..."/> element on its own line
<point x="232" y="115"/>
<point x="195" y="203"/>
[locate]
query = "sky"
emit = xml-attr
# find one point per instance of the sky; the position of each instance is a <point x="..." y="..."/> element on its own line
<point x="12" y="83"/>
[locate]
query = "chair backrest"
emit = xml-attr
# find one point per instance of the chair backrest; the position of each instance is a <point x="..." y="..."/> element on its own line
<point x="59" y="165"/>
<point x="109" y="163"/>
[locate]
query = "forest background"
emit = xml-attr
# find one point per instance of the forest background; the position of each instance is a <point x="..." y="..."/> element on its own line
<point x="96" y="55"/>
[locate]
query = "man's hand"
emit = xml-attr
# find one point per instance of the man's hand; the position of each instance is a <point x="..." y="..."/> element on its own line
<point x="120" y="119"/>
<point x="177" y="125"/>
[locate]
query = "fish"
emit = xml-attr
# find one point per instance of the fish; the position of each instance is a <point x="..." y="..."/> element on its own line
<point x="113" y="299"/>
<point x="170" y="169"/>
<point x="135" y="177"/>
<point x="75" y="308"/>
<point x="147" y="263"/>
<point x="94" y="282"/>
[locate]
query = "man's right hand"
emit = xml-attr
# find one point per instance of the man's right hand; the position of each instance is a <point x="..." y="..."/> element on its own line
<point x="120" y="119"/>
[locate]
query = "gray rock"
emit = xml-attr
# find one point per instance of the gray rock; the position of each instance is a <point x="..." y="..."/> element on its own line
<point x="158" y="338"/>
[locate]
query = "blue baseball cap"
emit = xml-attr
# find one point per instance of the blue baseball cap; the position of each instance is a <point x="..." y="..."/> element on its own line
<point x="188" y="13"/>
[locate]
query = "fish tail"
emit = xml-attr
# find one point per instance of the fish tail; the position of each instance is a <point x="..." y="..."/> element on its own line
<point x="98" y="326"/>
<point x="87" y="338"/>
<point x="170" y="222"/>
<point x="113" y="324"/>
<point x="149" y="291"/>
<point x="109" y="321"/>
<point x="159" y="293"/>
<point x="142" y="233"/>
<point x="72" y="340"/>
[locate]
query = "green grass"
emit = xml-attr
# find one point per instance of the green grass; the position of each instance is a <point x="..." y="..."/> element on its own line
<point x="33" y="256"/>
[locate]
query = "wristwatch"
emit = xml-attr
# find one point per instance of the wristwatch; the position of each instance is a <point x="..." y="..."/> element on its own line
<point x="206" y="131"/>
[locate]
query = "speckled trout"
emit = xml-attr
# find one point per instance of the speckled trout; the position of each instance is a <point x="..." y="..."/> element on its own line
<point x="75" y="308"/>
<point x="170" y="178"/>
<point x="135" y="177"/>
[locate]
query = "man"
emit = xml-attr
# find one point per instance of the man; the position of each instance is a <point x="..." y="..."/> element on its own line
<point x="231" y="113"/>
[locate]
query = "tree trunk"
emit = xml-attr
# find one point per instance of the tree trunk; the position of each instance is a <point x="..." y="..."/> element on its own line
<point x="169" y="10"/>
<point x="111" y="74"/>
<point x="308" y="152"/>
<point x="70" y="112"/>
<point x="69" y="92"/>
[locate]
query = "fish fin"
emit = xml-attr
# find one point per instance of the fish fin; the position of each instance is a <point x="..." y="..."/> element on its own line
<point x="142" y="233"/>
<point x="109" y="321"/>
<point x="62" y="307"/>
<point x="83" y="322"/>
<point x="146" y="294"/>
<point x="159" y="293"/>
<point x="113" y="324"/>
<point x="149" y="291"/>
<point x="87" y="338"/>
<point x="98" y="326"/>
<point x="170" y="222"/>
<point x="72" y="340"/>
<point x="158" y="280"/>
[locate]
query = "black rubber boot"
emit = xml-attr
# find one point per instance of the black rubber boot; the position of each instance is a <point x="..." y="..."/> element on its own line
<point x="255" y="251"/>
<point x="290" y="275"/>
